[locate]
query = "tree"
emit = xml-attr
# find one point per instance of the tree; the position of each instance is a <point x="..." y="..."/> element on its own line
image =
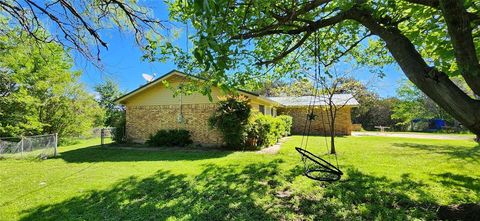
<point x="108" y="92"/>
<point x="379" y="113"/>
<point x="414" y="104"/>
<point x="274" y="87"/>
<point x="429" y="39"/>
<point x="71" y="112"/>
<point x="297" y="87"/>
<point x="373" y="110"/>
<point x="38" y="91"/>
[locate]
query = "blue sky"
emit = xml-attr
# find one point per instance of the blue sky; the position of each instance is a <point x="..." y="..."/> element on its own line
<point x="122" y="62"/>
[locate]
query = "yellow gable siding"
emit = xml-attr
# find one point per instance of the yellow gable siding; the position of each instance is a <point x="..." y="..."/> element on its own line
<point x="161" y="95"/>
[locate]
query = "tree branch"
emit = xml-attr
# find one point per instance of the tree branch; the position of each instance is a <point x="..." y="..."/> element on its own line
<point x="288" y="51"/>
<point x="341" y="16"/>
<point x="343" y="53"/>
<point x="72" y="19"/>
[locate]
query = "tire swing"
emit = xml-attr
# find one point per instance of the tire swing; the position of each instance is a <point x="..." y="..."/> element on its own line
<point x="315" y="167"/>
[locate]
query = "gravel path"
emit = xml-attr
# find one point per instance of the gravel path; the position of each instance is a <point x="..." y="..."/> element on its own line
<point x="417" y="135"/>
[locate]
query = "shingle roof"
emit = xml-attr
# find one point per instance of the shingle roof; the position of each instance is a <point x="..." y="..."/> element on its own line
<point x="321" y="100"/>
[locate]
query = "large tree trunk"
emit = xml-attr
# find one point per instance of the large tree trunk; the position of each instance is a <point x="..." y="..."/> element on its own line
<point x="432" y="82"/>
<point x="460" y="32"/>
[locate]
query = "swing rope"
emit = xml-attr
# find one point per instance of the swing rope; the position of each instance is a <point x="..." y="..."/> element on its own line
<point x="323" y="170"/>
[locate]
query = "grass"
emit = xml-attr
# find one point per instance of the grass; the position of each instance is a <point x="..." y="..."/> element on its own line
<point x="398" y="179"/>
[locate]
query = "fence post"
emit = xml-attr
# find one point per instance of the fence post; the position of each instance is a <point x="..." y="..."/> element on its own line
<point x="21" y="143"/>
<point x="56" y="145"/>
<point x="101" y="136"/>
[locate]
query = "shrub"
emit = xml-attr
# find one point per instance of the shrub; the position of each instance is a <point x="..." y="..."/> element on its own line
<point x="288" y="120"/>
<point x="118" y="134"/>
<point x="231" y="119"/>
<point x="170" y="138"/>
<point x="265" y="130"/>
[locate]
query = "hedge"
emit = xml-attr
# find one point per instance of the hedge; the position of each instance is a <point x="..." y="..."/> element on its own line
<point x="288" y="123"/>
<point x="265" y="130"/>
<point x="170" y="138"/>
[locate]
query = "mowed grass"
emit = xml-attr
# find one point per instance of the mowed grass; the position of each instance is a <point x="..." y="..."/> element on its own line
<point x="386" y="178"/>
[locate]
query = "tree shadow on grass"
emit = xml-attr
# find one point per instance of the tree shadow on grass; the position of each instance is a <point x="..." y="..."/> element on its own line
<point x="99" y="154"/>
<point x="236" y="192"/>
<point x="358" y="196"/>
<point x="218" y="193"/>
<point x="465" y="153"/>
<point x="459" y="182"/>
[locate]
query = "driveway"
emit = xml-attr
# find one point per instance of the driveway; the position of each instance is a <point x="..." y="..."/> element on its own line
<point x="416" y="135"/>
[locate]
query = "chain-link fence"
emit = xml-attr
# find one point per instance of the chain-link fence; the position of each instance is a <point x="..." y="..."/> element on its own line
<point x="41" y="146"/>
<point x="106" y="135"/>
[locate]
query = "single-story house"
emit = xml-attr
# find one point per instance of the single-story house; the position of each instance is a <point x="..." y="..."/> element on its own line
<point x="153" y="106"/>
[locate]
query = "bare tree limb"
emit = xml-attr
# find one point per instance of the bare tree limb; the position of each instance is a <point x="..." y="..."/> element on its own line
<point x="78" y="22"/>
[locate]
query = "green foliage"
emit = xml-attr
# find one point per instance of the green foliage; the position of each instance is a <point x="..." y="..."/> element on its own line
<point x="414" y="104"/>
<point x="379" y="113"/>
<point x="295" y="87"/>
<point x="373" y="110"/>
<point x="288" y="120"/>
<point x="231" y="118"/>
<point x="278" y="36"/>
<point x="241" y="129"/>
<point x="118" y="135"/>
<point x="219" y="24"/>
<point x="38" y="91"/>
<point x="108" y="92"/>
<point x="265" y="130"/>
<point x="170" y="138"/>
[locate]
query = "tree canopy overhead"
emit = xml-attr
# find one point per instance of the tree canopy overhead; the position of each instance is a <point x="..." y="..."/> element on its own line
<point x="430" y="40"/>
<point x="78" y="24"/>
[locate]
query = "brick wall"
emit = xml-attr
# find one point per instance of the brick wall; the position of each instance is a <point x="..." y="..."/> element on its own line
<point x="147" y="119"/>
<point x="343" y="122"/>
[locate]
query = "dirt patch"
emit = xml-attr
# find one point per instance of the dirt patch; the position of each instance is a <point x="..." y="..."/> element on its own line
<point x="468" y="211"/>
<point x="275" y="148"/>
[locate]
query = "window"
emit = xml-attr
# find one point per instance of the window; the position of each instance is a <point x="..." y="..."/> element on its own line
<point x="261" y="108"/>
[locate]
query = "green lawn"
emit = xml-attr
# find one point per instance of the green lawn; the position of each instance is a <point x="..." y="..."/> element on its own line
<point x="393" y="178"/>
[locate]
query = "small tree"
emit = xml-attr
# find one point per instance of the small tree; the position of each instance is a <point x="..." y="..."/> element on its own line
<point x="332" y="84"/>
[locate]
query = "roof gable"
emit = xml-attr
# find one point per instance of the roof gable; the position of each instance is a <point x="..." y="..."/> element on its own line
<point x="159" y="80"/>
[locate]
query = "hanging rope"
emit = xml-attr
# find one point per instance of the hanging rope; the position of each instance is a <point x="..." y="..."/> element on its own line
<point x="315" y="167"/>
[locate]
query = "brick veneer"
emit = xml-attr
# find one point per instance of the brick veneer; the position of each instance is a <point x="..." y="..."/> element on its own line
<point x="343" y="122"/>
<point x="145" y="120"/>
